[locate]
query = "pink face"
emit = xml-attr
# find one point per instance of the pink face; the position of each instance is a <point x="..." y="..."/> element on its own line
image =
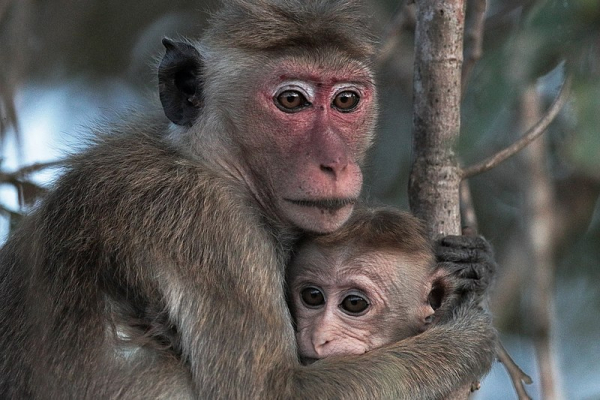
<point x="352" y="305"/>
<point x="315" y="125"/>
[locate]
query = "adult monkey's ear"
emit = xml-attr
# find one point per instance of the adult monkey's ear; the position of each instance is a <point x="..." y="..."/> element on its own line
<point x="180" y="82"/>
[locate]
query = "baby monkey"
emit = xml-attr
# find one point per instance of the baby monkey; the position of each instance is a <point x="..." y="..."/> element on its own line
<point x="368" y="284"/>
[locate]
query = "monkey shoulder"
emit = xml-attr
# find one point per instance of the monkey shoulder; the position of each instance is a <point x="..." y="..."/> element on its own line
<point x="138" y="190"/>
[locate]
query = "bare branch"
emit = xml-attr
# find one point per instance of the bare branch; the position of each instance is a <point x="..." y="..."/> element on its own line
<point x="8" y="212"/>
<point x="30" y="169"/>
<point x="527" y="138"/>
<point x="475" y="38"/>
<point x="8" y="112"/>
<point x="467" y="208"/>
<point x="516" y="374"/>
<point x="16" y="178"/>
<point x="541" y="227"/>
<point x="405" y="17"/>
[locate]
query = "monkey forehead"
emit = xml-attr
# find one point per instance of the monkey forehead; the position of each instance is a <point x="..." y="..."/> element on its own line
<point x="390" y="269"/>
<point x="385" y="271"/>
<point x="339" y="266"/>
<point x="326" y="69"/>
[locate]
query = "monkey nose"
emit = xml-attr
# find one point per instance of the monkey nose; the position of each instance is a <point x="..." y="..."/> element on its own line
<point x="322" y="350"/>
<point x="322" y="345"/>
<point x="335" y="168"/>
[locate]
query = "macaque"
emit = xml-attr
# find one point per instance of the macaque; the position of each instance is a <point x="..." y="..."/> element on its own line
<point x="155" y="267"/>
<point x="366" y="285"/>
<point x="371" y="283"/>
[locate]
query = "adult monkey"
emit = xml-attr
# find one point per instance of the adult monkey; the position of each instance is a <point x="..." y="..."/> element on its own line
<point x="155" y="268"/>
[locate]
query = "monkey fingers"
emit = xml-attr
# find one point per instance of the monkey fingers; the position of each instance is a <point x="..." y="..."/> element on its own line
<point x="467" y="279"/>
<point x="467" y="259"/>
<point x="479" y="245"/>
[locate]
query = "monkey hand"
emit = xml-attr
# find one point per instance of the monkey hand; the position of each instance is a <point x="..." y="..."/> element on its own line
<point x="468" y="262"/>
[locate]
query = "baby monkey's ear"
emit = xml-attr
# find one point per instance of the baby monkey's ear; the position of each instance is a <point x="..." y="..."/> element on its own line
<point x="441" y="293"/>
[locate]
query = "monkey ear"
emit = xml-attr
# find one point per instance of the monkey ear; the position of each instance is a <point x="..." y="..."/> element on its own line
<point x="180" y="82"/>
<point x="440" y="288"/>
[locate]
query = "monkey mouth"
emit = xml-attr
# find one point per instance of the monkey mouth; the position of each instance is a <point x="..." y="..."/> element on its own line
<point x="327" y="204"/>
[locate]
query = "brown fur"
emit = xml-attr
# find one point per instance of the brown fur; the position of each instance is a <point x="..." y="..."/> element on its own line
<point x="266" y="25"/>
<point x="155" y="268"/>
<point x="379" y="229"/>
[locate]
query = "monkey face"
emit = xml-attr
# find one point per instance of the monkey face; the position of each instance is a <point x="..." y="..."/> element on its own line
<point x="311" y="126"/>
<point x="339" y="306"/>
<point x="297" y="130"/>
<point x="345" y="302"/>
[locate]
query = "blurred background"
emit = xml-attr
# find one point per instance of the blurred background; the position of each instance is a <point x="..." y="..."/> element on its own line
<point x="67" y="64"/>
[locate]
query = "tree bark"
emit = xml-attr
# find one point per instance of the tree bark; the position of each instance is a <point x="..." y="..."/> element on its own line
<point x="435" y="175"/>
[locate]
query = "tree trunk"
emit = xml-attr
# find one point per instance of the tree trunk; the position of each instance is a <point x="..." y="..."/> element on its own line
<point x="435" y="175"/>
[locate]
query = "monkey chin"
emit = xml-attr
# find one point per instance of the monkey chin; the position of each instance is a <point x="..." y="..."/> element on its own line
<point x="319" y="217"/>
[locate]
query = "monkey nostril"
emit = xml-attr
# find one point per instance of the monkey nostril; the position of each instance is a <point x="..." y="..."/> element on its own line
<point x="321" y="350"/>
<point x="334" y="168"/>
<point x="327" y="169"/>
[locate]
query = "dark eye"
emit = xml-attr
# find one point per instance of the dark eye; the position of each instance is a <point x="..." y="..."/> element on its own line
<point x="291" y="101"/>
<point x="346" y="101"/>
<point x="312" y="297"/>
<point x="354" y="304"/>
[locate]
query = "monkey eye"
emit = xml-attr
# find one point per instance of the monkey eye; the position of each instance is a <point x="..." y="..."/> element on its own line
<point x="346" y="101"/>
<point x="291" y="101"/>
<point x="354" y="304"/>
<point x="312" y="297"/>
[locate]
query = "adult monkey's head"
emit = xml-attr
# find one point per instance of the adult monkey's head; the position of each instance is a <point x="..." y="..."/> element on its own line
<point x="281" y="100"/>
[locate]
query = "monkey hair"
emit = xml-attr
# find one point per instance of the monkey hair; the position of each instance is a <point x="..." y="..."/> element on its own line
<point x="382" y="228"/>
<point x="265" y="25"/>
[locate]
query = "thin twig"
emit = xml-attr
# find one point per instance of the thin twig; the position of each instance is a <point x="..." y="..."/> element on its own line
<point x="404" y="17"/>
<point x="29" y="169"/>
<point x="475" y="37"/>
<point x="15" y="178"/>
<point x="8" y="111"/>
<point x="467" y="208"/>
<point x="9" y="212"/>
<point x="527" y="138"/>
<point x="516" y="374"/>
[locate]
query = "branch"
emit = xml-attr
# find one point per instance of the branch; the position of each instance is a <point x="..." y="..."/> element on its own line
<point x="467" y="208"/>
<point x="540" y="208"/>
<point x="405" y="16"/>
<point x="475" y="36"/>
<point x="14" y="178"/>
<point x="527" y="138"/>
<point x="9" y="212"/>
<point x="516" y="374"/>
<point x="29" y="169"/>
<point x="435" y="174"/>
